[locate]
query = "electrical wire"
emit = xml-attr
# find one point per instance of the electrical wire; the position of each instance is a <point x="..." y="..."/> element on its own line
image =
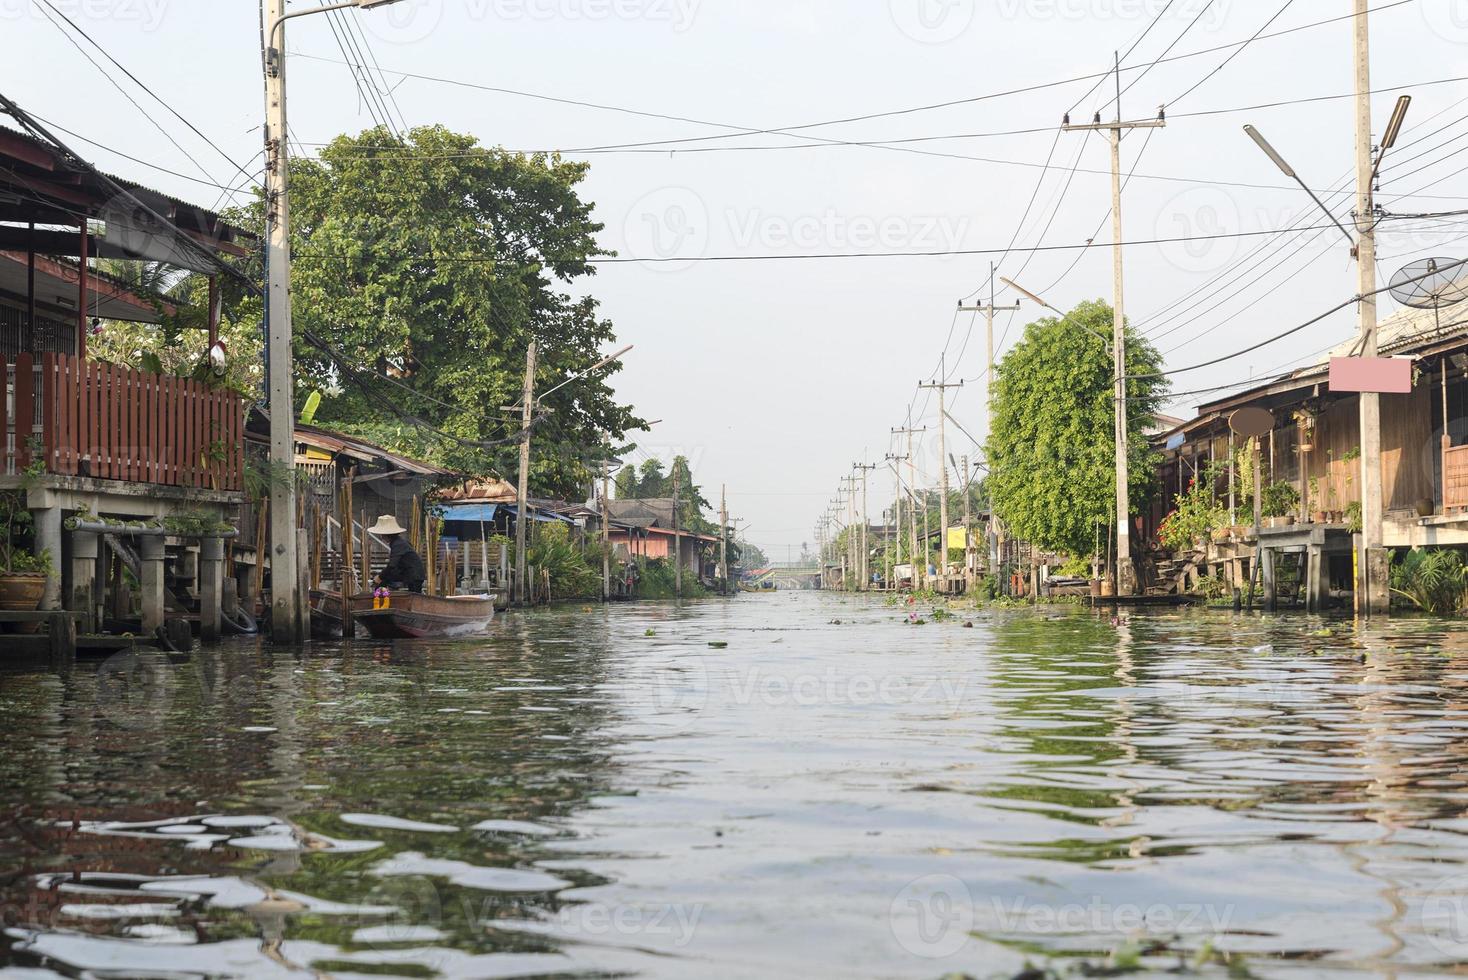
<point x="138" y="82"/>
<point x="1238" y="51"/>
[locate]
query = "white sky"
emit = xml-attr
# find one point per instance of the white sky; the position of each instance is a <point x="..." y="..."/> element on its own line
<point x="775" y="376"/>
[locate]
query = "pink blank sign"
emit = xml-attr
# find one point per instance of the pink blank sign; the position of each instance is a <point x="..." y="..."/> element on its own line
<point x="1382" y="375"/>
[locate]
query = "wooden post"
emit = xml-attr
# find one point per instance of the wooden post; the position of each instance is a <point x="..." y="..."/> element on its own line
<point x="348" y="557"/>
<point x="366" y="554"/>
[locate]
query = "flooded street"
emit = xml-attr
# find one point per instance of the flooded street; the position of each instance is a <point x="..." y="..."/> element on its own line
<point x="834" y="793"/>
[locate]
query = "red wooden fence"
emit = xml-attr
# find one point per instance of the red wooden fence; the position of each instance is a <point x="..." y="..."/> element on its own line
<point x="118" y="423"/>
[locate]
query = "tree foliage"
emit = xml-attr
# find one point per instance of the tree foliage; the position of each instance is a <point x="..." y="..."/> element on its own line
<point x="435" y="262"/>
<point x="1051" y="450"/>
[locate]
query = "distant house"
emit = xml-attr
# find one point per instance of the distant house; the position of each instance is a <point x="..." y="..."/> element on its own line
<point x="645" y="529"/>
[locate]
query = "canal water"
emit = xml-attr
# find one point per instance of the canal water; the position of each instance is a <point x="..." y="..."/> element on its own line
<point x="782" y="785"/>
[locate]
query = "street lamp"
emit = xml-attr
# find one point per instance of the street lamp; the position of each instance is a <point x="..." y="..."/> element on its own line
<point x="1289" y="172"/>
<point x="1119" y="426"/>
<point x="1063" y="316"/>
<point x="287" y="606"/>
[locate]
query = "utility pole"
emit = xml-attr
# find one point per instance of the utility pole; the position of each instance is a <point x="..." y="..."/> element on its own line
<point x="892" y="462"/>
<point x="848" y="489"/>
<point x="1125" y="574"/>
<point x="919" y="573"/>
<point x="724" y="537"/>
<point x="606" y="531"/>
<point x="1374" y="573"/>
<point x="989" y="309"/>
<point x="677" y="537"/>
<point x="968" y="518"/>
<point x="942" y="387"/>
<point x="866" y="549"/>
<point x="286" y="624"/>
<point x="522" y="492"/>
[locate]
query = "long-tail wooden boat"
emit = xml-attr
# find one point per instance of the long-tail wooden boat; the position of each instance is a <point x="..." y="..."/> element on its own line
<point x="326" y="615"/>
<point x="408" y="615"/>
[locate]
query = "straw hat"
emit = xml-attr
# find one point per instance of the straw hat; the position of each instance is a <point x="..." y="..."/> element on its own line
<point x="386" y="524"/>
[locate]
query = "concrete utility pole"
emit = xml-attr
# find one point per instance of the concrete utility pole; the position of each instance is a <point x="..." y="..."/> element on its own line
<point x="853" y="563"/>
<point x="892" y="462"/>
<point x="285" y="611"/>
<point x="1374" y="571"/>
<point x="866" y="548"/>
<point x="677" y="538"/>
<point x="522" y="492"/>
<point x="606" y="532"/>
<point x="989" y="309"/>
<point x="968" y="519"/>
<point x="942" y="388"/>
<point x="919" y="570"/>
<point x="288" y="623"/>
<point x="724" y="537"/>
<point x="1126" y="583"/>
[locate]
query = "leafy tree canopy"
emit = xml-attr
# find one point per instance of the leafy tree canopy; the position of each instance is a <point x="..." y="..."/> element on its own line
<point x="1051" y="450"/>
<point x="435" y="263"/>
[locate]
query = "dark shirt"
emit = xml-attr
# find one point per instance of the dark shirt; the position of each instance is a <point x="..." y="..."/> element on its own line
<point x="404" y="567"/>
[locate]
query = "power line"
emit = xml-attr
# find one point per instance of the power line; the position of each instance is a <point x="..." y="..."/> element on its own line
<point x="756" y="131"/>
<point x="1238" y="51"/>
<point x="138" y="82"/>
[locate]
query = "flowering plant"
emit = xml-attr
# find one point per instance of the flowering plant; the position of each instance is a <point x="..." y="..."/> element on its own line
<point x="1197" y="514"/>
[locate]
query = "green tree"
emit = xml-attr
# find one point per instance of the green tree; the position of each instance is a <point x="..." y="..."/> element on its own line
<point x="626" y="483"/>
<point x="653" y="483"/>
<point x="1051" y="452"/>
<point x="435" y="262"/>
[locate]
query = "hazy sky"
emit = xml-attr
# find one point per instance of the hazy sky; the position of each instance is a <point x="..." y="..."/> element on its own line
<point x="775" y="376"/>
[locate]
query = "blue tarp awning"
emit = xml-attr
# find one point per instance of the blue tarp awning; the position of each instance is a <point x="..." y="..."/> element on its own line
<point x="470" y="512"/>
<point x="485" y="513"/>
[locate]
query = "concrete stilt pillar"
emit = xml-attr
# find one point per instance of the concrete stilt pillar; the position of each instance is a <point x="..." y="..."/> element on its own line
<point x="48" y="541"/>
<point x="1317" y="579"/>
<point x="83" y="597"/>
<point x="150" y="582"/>
<point x="1266" y="571"/>
<point x="211" y="587"/>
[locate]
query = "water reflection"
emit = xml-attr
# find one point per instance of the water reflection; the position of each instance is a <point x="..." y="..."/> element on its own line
<point x="782" y="785"/>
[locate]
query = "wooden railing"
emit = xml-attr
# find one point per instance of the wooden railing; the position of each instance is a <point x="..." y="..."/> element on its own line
<point x="1455" y="477"/>
<point x="83" y="418"/>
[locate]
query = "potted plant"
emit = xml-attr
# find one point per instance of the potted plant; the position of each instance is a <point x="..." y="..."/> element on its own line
<point x="1305" y="419"/>
<point x="22" y="575"/>
<point x="1278" y="502"/>
<point x="1194" y="520"/>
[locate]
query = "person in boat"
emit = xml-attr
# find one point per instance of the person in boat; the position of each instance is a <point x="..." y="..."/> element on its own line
<point x="404" y="569"/>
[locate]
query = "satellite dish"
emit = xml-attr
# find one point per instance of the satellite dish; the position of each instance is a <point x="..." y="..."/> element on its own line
<point x="1252" y="422"/>
<point x="1431" y="284"/>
